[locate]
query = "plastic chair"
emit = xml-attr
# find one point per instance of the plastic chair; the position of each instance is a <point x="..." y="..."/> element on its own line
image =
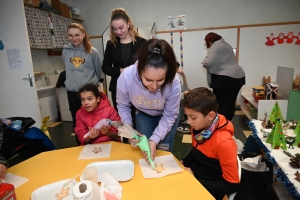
<point x="231" y="196"/>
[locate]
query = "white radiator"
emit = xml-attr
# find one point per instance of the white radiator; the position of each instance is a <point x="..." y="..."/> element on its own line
<point x="53" y="79"/>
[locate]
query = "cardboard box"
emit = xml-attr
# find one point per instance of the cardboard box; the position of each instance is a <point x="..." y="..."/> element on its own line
<point x="7" y="191"/>
<point x="55" y="4"/>
<point x="33" y="3"/>
<point x="65" y="10"/>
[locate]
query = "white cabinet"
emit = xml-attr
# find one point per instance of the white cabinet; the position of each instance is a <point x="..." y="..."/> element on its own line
<point x="262" y="105"/>
<point x="47" y="101"/>
<point x="64" y="105"/>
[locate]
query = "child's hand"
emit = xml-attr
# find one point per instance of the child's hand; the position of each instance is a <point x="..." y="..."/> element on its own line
<point x="189" y="170"/>
<point x="104" y="129"/>
<point x="94" y="132"/>
<point x="134" y="141"/>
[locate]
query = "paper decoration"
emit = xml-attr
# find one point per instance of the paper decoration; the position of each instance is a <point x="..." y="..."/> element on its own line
<point x="297" y="131"/>
<point x="278" y="137"/>
<point x="171" y="23"/>
<point x="44" y="127"/>
<point x="276" y="113"/>
<point x="181" y="22"/>
<point x="281" y="38"/>
<point x="178" y="22"/>
<point x="181" y="50"/>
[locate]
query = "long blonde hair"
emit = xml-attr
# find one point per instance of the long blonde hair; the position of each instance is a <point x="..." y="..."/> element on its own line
<point x="86" y="40"/>
<point x="120" y="13"/>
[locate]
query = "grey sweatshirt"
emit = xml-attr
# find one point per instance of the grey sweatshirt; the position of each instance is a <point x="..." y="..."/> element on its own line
<point x="81" y="67"/>
<point x="220" y="60"/>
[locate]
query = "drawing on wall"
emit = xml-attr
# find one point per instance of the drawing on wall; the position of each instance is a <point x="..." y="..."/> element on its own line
<point x="282" y="38"/>
<point x="2" y="36"/>
<point x="181" y="22"/>
<point x="14" y="59"/>
<point x="171" y="23"/>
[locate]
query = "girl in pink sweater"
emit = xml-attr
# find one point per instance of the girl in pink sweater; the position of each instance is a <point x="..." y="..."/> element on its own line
<point x="95" y="106"/>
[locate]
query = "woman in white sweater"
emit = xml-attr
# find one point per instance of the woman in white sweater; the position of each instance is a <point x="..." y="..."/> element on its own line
<point x="224" y="75"/>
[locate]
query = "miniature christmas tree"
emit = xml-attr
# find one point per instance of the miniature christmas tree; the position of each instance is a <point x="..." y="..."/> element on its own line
<point x="270" y="136"/>
<point x="297" y="131"/>
<point x="278" y="137"/>
<point x="276" y="113"/>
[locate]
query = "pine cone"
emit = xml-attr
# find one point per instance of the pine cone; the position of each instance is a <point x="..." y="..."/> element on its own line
<point x="295" y="162"/>
<point x="269" y="125"/>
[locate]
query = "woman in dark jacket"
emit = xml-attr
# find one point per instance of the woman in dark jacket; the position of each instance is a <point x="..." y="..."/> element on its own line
<point x="120" y="49"/>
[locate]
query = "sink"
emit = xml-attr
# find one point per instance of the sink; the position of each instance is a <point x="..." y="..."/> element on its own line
<point x="46" y="91"/>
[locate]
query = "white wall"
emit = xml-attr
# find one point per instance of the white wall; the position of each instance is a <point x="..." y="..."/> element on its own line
<point x="44" y="63"/>
<point x="200" y="13"/>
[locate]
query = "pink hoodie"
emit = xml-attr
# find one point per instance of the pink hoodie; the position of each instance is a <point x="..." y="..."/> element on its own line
<point x="85" y="119"/>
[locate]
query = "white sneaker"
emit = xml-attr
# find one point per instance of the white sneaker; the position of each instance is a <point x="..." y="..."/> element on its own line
<point x="185" y="122"/>
<point x="183" y="130"/>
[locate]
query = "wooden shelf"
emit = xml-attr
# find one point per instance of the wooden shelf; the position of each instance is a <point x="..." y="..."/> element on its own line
<point x="39" y="74"/>
<point x="52" y="52"/>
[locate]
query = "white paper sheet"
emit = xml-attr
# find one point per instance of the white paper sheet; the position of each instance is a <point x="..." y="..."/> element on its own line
<point x="170" y="165"/>
<point x="15" y="179"/>
<point x="87" y="151"/>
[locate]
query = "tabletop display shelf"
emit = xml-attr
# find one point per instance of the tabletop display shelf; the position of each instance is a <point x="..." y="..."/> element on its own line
<point x="282" y="169"/>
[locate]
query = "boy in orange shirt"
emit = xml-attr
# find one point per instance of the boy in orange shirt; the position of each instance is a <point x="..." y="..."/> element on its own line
<point x="213" y="159"/>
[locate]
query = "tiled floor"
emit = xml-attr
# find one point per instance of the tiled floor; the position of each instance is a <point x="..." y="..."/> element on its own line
<point x="62" y="137"/>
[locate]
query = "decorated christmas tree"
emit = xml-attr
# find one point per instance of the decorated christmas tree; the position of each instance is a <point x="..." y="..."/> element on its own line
<point x="276" y="113"/>
<point x="278" y="137"/>
<point x="297" y="132"/>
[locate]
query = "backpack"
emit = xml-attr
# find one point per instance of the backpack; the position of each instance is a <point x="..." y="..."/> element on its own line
<point x="15" y="144"/>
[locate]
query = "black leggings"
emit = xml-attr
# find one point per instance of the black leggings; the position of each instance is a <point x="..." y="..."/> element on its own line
<point x="74" y="106"/>
<point x="226" y="101"/>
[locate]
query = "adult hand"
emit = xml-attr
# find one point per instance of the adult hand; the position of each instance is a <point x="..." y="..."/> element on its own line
<point x="152" y="146"/>
<point x="180" y="71"/>
<point x="2" y="171"/>
<point x="104" y="129"/>
<point x="94" y="132"/>
<point x="122" y="69"/>
<point x="185" y="92"/>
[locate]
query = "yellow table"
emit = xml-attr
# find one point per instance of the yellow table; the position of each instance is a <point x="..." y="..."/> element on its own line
<point x="53" y="166"/>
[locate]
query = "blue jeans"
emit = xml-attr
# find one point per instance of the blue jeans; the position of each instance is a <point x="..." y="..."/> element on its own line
<point x="146" y="124"/>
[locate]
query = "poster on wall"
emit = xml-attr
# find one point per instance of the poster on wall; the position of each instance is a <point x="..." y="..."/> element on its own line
<point x="171" y="23"/>
<point x="289" y="38"/>
<point x="181" y="22"/>
<point x="14" y="59"/>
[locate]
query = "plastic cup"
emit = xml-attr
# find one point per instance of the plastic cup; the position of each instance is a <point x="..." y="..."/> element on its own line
<point x="91" y="174"/>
